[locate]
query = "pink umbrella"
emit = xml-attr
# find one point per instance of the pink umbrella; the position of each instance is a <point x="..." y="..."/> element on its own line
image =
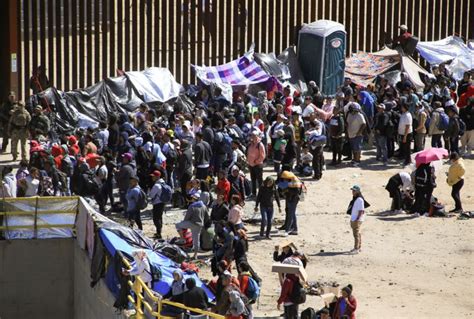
<point x="430" y="155"/>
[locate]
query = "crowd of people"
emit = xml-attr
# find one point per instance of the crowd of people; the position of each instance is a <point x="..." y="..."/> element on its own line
<point x="210" y="162"/>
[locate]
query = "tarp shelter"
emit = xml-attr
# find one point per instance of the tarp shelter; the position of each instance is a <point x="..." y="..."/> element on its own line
<point x="364" y="67"/>
<point x="285" y="67"/>
<point x="243" y="71"/>
<point x="115" y="240"/>
<point x="321" y="54"/>
<point x="450" y="48"/>
<point x="115" y="95"/>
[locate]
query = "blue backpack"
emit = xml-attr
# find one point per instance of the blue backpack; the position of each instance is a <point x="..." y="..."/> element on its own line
<point x="443" y="122"/>
<point x="253" y="289"/>
<point x="166" y="193"/>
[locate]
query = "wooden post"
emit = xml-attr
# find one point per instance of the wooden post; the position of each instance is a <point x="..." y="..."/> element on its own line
<point x="13" y="44"/>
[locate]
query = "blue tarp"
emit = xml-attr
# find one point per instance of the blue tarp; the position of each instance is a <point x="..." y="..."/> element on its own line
<point x="114" y="243"/>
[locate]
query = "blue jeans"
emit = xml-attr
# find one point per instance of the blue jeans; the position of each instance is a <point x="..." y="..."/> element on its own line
<point x="381" y="143"/>
<point x="291" y="223"/>
<point x="267" y="217"/>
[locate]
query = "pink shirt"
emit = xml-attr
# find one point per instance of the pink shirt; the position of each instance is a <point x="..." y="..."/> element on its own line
<point x="235" y="215"/>
<point x="256" y="154"/>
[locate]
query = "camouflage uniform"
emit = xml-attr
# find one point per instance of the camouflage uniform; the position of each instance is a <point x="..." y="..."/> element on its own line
<point x="39" y="124"/>
<point x="5" y="114"/>
<point x="18" y="129"/>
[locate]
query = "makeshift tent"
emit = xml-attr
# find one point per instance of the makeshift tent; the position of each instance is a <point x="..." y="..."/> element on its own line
<point x="364" y="67"/>
<point x="450" y="48"/>
<point x="285" y="67"/>
<point x="116" y="237"/>
<point x="243" y="71"/>
<point x="321" y="52"/>
<point x="85" y="107"/>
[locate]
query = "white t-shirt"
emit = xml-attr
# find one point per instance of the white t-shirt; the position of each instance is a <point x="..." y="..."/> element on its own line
<point x="32" y="186"/>
<point x="405" y="119"/>
<point x="406" y="181"/>
<point x="356" y="208"/>
<point x="308" y="110"/>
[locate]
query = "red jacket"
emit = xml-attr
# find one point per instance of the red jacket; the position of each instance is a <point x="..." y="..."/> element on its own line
<point x="351" y="307"/>
<point x="223" y="187"/>
<point x="287" y="289"/>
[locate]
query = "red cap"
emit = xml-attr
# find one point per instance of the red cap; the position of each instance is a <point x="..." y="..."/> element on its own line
<point x="156" y="174"/>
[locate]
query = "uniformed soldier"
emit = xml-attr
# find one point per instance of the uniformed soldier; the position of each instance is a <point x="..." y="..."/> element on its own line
<point x="39" y="124"/>
<point x="5" y="114"/>
<point x="18" y="129"/>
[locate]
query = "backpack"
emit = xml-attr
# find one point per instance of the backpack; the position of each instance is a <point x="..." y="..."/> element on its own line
<point x="90" y="187"/>
<point x="227" y="143"/>
<point x="462" y="127"/>
<point x="20" y="119"/>
<point x="142" y="202"/>
<point x="253" y="289"/>
<point x="308" y="313"/>
<point x="298" y="294"/>
<point x="155" y="272"/>
<point x="166" y="193"/>
<point x="443" y="122"/>
<point x="171" y="156"/>
<point x="66" y="166"/>
<point x="63" y="185"/>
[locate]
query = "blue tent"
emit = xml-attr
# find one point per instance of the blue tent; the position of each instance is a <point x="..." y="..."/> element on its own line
<point x="114" y="243"/>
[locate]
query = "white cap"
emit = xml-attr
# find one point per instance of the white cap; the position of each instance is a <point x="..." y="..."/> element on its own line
<point x="403" y="27"/>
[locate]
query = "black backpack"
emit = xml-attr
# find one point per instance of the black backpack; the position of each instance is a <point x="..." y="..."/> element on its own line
<point x="308" y="313"/>
<point x="298" y="294"/>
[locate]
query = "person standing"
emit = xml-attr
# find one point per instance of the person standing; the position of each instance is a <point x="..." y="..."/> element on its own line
<point x="158" y="206"/>
<point x="202" y="156"/>
<point x="355" y="129"/>
<point x="336" y="132"/>
<point x="266" y="195"/>
<point x="196" y="217"/>
<point x="467" y="139"/>
<point x="5" y="114"/>
<point x="357" y="211"/>
<point x="398" y="183"/>
<point x="18" y="129"/>
<point x="380" y="127"/>
<point x="127" y="170"/>
<point x="424" y="186"/>
<point x="405" y="134"/>
<point x="420" y="130"/>
<point x="133" y="202"/>
<point x="292" y="188"/>
<point x="286" y="297"/>
<point x="39" y="124"/>
<point x="255" y="156"/>
<point x="456" y="180"/>
<point x="435" y="128"/>
<point x="101" y="175"/>
<point x="453" y="131"/>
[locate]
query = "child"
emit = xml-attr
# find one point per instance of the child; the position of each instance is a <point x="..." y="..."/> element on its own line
<point x="306" y="162"/>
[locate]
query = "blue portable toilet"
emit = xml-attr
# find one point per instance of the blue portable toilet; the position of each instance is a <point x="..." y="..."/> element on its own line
<point x="321" y="54"/>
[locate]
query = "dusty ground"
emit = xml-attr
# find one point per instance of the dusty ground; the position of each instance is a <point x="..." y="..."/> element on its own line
<point x="409" y="267"/>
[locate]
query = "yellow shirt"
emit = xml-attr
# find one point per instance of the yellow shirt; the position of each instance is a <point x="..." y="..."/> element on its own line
<point x="456" y="172"/>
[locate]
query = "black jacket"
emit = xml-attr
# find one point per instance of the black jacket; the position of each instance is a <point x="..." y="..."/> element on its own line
<point x="219" y="212"/>
<point x="381" y="123"/>
<point x="202" y="153"/>
<point x="185" y="162"/>
<point x="266" y="195"/>
<point x="196" y="298"/>
<point x="467" y="115"/>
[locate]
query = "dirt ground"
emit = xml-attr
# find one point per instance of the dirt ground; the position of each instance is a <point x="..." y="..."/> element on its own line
<point x="409" y="267"/>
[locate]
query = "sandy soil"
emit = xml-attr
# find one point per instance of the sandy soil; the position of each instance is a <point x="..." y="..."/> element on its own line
<point x="409" y="267"/>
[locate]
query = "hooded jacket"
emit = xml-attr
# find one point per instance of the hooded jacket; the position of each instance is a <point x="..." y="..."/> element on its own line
<point x="123" y="175"/>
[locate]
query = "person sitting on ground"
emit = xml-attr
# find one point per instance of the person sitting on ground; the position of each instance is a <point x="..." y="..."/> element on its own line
<point x="306" y="168"/>
<point x="346" y="305"/>
<point x="219" y="209"/>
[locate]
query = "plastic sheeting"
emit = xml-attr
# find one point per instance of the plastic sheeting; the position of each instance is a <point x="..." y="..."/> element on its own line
<point x="450" y="48"/>
<point x="115" y="95"/>
<point x="120" y="238"/>
<point x="42" y="219"/>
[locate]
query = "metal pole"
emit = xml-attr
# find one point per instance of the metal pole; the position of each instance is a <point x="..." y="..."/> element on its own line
<point x="13" y="21"/>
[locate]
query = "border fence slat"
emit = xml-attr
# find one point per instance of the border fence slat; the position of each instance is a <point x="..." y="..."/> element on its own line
<point x="80" y="42"/>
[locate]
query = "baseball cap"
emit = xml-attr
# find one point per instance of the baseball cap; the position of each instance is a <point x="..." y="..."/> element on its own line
<point x="170" y="133"/>
<point x="128" y="156"/>
<point x="355" y="188"/>
<point x="156" y="174"/>
<point x="403" y="27"/>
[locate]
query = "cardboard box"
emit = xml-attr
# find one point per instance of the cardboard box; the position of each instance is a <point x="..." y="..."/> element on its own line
<point x="290" y="269"/>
